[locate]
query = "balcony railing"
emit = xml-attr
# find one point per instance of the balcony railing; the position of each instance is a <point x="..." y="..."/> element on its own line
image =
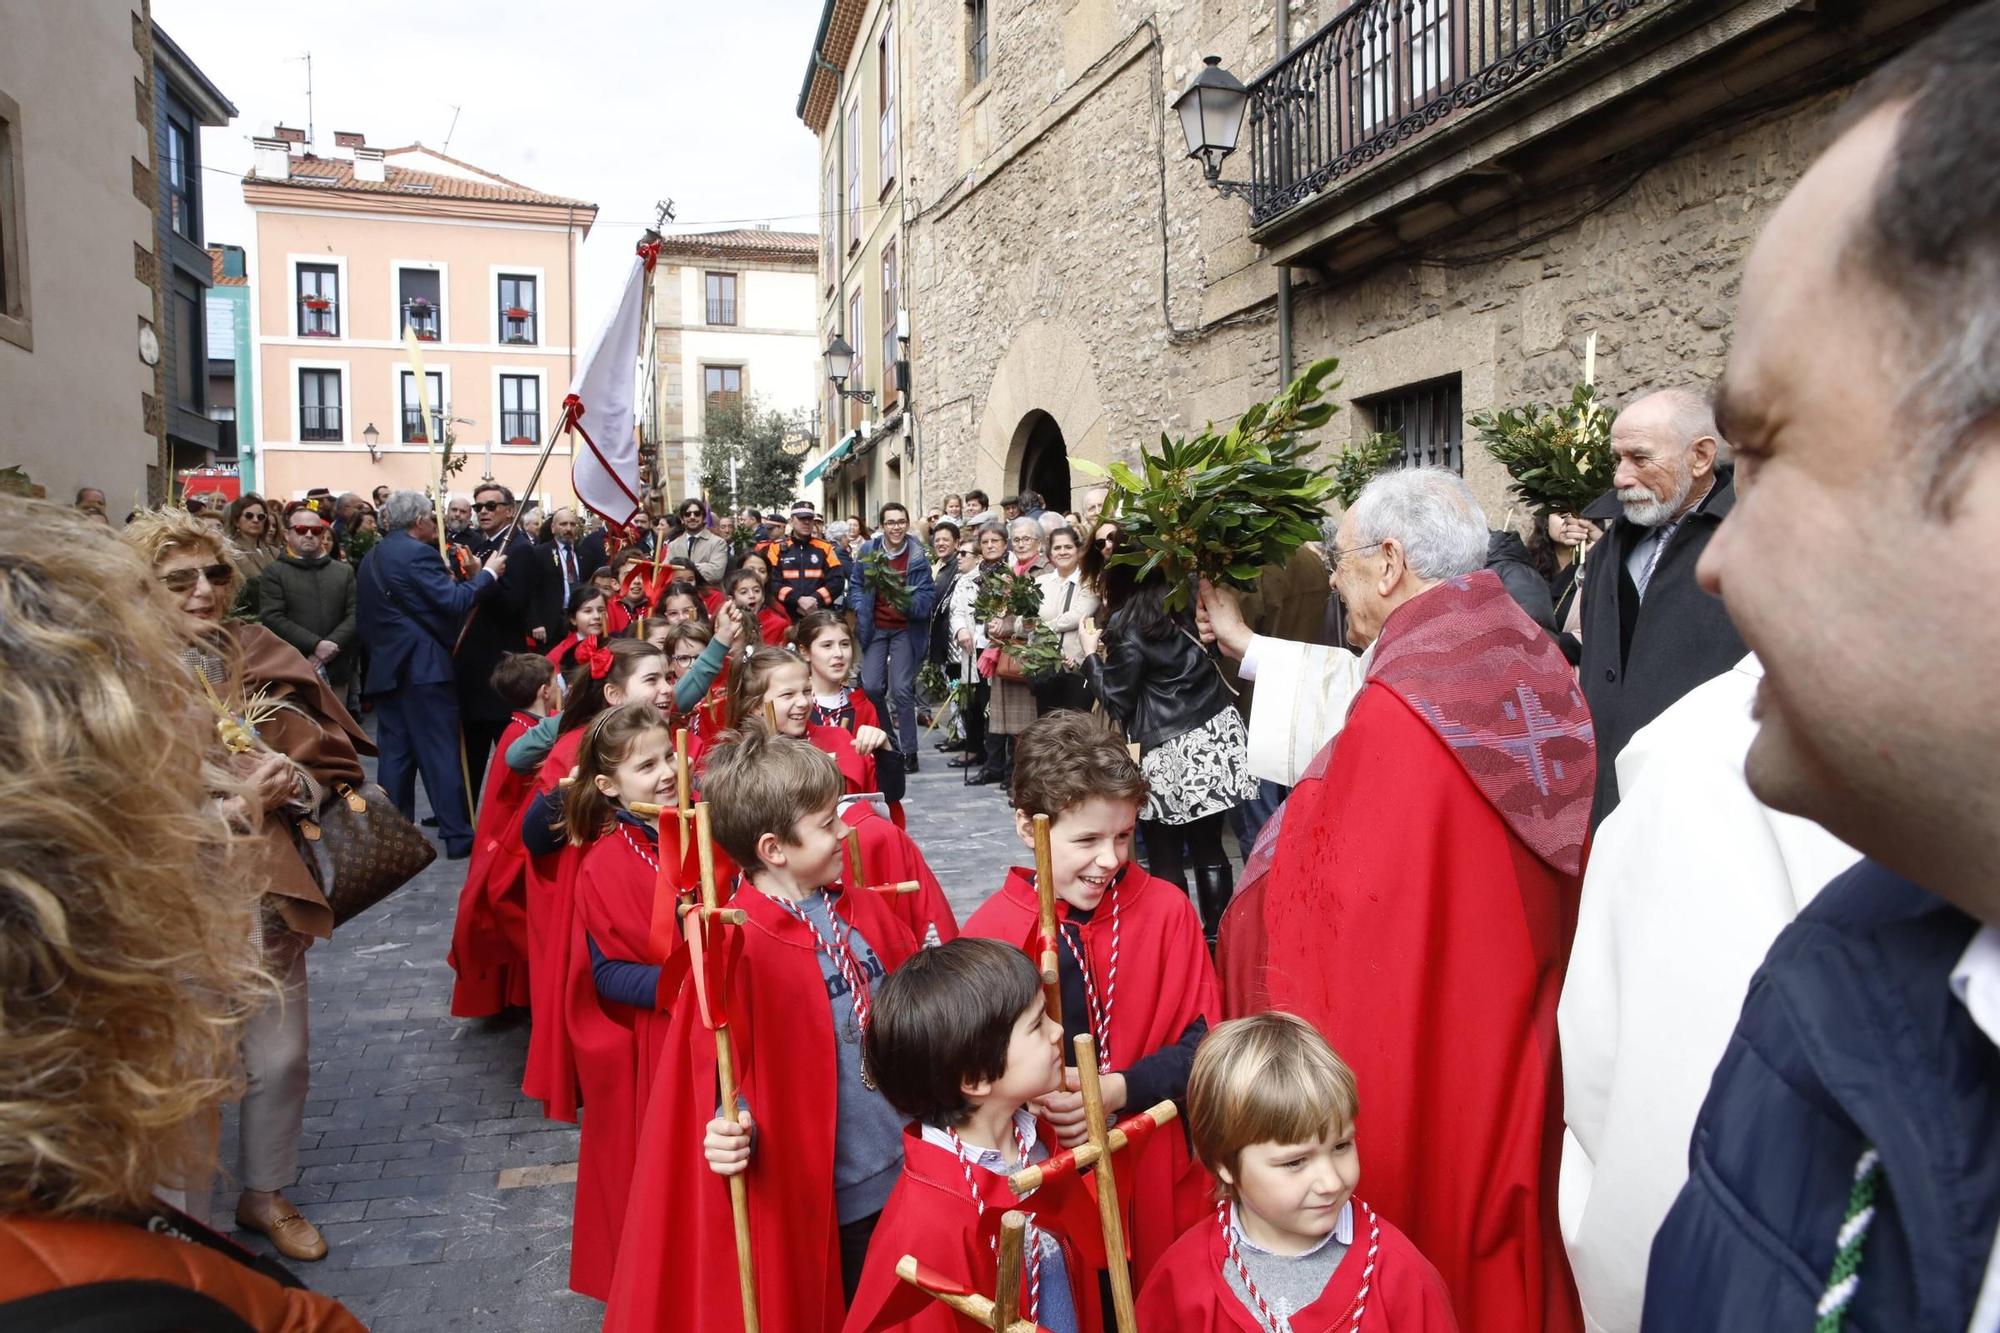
<point x="413" y="425"/>
<point x="319" y="423"/>
<point x="517" y="324"/>
<point x="422" y="320"/>
<point x="319" y="317"/>
<point x="721" y="310"/>
<point x="1384" y="71"/>
<point x="521" y="426"/>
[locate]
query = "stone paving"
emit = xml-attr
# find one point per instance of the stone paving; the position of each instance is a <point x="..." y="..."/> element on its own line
<point x="419" y="1150"/>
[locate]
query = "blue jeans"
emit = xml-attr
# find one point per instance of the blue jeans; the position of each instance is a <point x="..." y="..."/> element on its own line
<point x="417" y="731"/>
<point x="892" y="658"/>
<point x="1250" y="817"/>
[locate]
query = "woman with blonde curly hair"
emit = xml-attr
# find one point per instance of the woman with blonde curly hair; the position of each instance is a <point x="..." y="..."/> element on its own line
<point x="305" y="745"/>
<point x="129" y="961"/>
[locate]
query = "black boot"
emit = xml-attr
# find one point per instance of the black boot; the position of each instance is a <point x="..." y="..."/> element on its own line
<point x="1214" y="886"/>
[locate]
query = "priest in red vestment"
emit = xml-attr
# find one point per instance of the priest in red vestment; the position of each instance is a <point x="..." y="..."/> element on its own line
<point x="1416" y="897"/>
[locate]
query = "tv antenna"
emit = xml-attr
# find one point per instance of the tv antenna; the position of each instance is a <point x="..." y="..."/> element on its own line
<point x="453" y="130"/>
<point x="308" y="58"/>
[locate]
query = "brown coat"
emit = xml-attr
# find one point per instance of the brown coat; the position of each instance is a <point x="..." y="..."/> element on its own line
<point x="42" y="1254"/>
<point x="315" y="731"/>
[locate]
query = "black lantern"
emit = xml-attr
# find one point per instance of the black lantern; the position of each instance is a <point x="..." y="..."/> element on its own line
<point x="839" y="365"/>
<point x="1211" y="112"/>
<point x="372" y="437"/>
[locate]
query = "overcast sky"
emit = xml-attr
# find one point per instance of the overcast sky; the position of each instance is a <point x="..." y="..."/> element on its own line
<point x="620" y="102"/>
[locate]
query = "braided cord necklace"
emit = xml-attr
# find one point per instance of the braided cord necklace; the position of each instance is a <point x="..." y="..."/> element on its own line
<point x="1100" y="1010"/>
<point x="1033" y="1236"/>
<point x="1269" y="1319"/>
<point x="1844" y="1278"/>
<point x="844" y="960"/>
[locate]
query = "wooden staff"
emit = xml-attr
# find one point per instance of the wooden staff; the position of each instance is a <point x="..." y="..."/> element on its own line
<point x="851" y="839"/>
<point x="684" y="782"/>
<point x="1097" y="1155"/>
<point x="725" y="1075"/>
<point x="1045" y="890"/>
<point x="1002" y="1311"/>
<point x="771" y="716"/>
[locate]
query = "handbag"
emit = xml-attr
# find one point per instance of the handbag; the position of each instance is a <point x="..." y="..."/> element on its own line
<point x="1006" y="668"/>
<point x="360" y="848"/>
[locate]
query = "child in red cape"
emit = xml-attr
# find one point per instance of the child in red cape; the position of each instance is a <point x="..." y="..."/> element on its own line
<point x="827" y="1146"/>
<point x="587" y="628"/>
<point x="823" y="640"/>
<point x="625" y="931"/>
<point x="961" y="1042"/>
<point x="489" y="937"/>
<point x="1134" y="969"/>
<point x="748" y="585"/>
<point x="888" y="854"/>
<point x="1271" y="1109"/>
<point x="702" y="717"/>
<point x="627" y="671"/>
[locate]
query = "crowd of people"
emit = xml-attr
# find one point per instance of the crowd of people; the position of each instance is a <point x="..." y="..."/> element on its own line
<point x="1606" y="863"/>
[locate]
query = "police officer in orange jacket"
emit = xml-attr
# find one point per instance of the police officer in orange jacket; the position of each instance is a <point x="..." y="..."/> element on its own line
<point x="808" y="569"/>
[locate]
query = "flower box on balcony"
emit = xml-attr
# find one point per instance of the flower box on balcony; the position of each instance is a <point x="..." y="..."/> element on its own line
<point x="420" y="307"/>
<point x="517" y="312"/>
<point x="520" y="442"/>
<point x="427" y="335"/>
<point x="318" y="303"/>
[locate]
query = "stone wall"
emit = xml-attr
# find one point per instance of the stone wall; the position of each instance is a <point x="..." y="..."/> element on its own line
<point x="1066" y="257"/>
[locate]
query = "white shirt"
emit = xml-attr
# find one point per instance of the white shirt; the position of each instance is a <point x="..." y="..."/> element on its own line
<point x="1976" y="983"/>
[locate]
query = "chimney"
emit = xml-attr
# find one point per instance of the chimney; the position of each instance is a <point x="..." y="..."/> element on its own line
<point x="288" y="134"/>
<point x="368" y="164"/>
<point x="345" y="142"/>
<point x="272" y="159"/>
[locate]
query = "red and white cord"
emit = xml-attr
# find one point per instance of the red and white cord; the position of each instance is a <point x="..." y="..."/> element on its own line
<point x="1034" y="1233"/>
<point x="638" y="847"/>
<point x="1268" y="1318"/>
<point x="841" y="952"/>
<point x="1100" y="1010"/>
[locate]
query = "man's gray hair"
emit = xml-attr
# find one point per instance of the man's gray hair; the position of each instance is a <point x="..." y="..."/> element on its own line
<point x="403" y="509"/>
<point x="1691" y="415"/>
<point x="1430" y="512"/>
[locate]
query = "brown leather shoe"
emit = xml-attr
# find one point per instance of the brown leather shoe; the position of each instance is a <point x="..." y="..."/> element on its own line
<point x="289" y="1232"/>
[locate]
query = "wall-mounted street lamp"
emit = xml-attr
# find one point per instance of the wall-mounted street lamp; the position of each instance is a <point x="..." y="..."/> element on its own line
<point x="372" y="438"/>
<point x="1211" y="112"/>
<point x="839" y="365"/>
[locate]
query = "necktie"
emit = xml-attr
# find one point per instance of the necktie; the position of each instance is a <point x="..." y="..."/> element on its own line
<point x="569" y="566"/>
<point x="1653" y="560"/>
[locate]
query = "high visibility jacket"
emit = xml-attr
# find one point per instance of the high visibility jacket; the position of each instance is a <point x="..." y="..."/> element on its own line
<point x="805" y="567"/>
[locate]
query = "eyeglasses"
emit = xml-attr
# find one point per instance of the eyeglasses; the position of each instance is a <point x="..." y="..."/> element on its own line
<point x="252" y="515"/>
<point x="488" y="506"/>
<point x="685" y="659"/>
<point x="308" y="529"/>
<point x="183" y="580"/>
<point x="1333" y="558"/>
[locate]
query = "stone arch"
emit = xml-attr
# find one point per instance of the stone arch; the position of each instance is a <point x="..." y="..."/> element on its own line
<point x="1046" y="376"/>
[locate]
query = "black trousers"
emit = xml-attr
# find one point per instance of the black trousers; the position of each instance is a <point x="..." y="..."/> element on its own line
<point x="974" y="716"/>
<point x="854" y="1238"/>
<point x="1065" y="689"/>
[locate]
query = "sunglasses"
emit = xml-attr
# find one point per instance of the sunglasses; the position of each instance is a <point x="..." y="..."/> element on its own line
<point x="488" y="506"/>
<point x="183" y="580"/>
<point x="308" y="529"/>
<point x="253" y="516"/>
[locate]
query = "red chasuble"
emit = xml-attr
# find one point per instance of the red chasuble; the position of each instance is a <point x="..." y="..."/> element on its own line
<point x="489" y="938"/>
<point x="677" y="1263"/>
<point x="1395" y="1287"/>
<point x="617" y="1048"/>
<point x="931" y="1214"/>
<point x="1164" y="983"/>
<point x="551" y="1072"/>
<point x="891" y="856"/>
<point x="1416" y="902"/>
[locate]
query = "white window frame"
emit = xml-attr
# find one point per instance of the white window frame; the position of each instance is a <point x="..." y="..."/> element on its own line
<point x="292" y="368"/>
<point x="397" y="370"/>
<point x="541" y="373"/>
<point x="535" y="271"/>
<point x="346" y="311"/>
<point x="443" y="270"/>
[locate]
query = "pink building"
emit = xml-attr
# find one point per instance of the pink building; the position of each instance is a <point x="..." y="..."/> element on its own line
<point x="356" y="249"/>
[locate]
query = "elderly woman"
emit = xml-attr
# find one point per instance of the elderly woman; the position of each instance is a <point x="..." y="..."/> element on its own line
<point x="985" y="553"/>
<point x="130" y="963"/>
<point x="305" y="743"/>
<point x="1067" y="601"/>
<point x="1011" y="708"/>
<point x="254" y="542"/>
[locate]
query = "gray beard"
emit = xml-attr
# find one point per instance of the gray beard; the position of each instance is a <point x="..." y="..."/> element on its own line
<point x="1644" y="509"/>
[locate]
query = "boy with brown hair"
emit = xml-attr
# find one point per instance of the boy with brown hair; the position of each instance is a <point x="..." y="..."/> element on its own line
<point x="1133" y="967"/>
<point x="799" y="1001"/>
<point x="963" y="1045"/>
<point x="1272" y="1111"/>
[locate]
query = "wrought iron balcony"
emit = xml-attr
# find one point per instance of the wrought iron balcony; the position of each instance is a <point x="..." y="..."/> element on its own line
<point x="413" y="425"/>
<point x="1384" y="71"/>
<point x="518" y="426"/>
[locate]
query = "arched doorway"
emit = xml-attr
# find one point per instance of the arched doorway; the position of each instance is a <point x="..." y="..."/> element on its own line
<point x="1044" y="459"/>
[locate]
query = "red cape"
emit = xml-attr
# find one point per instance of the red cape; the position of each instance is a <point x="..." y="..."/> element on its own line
<point x="677" y="1265"/>
<point x="617" y="1047"/>
<point x="774" y="625"/>
<point x="489" y="938"/>
<point x="1398" y="907"/>
<point x="1165" y="982"/>
<point x="1404" y="1293"/>
<point x="551" y="1072"/>
<point x="891" y="856"/>
<point x="930" y="1214"/>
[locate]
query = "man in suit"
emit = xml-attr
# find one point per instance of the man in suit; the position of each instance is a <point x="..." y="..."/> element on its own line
<point x="408" y="611"/>
<point x="708" y="553"/>
<point x="505" y="619"/>
<point x="559" y="563"/>
<point x="1650" y="634"/>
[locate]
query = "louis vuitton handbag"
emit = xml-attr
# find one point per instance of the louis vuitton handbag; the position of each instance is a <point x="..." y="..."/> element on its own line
<point x="360" y="849"/>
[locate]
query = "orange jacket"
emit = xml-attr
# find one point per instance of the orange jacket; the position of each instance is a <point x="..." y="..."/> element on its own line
<point x="40" y="1254"/>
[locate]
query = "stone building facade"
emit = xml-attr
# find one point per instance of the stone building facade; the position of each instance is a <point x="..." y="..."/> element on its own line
<point x="1076" y="288"/>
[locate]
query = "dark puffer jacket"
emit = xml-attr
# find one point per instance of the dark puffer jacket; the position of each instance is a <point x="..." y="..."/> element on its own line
<point x="305" y="600"/>
<point x="1850" y="1037"/>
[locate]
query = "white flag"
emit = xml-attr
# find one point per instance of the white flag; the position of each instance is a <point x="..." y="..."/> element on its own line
<point x="599" y="408"/>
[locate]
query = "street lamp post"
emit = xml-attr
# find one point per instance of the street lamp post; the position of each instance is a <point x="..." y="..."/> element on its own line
<point x="1211" y="112"/>
<point x="839" y="365"/>
<point x="372" y="438"/>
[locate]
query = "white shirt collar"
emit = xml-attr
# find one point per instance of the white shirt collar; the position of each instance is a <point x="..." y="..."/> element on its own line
<point x="1976" y="981"/>
<point x="989" y="1159"/>
<point x="1343" y="1231"/>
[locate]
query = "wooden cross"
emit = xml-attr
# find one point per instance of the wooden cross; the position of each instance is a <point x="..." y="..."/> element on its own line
<point x="725" y="1075"/>
<point x="851" y="839"/>
<point x="1001" y="1312"/>
<point x="684" y="782"/>
<point x="1045" y="891"/>
<point x="1096" y="1153"/>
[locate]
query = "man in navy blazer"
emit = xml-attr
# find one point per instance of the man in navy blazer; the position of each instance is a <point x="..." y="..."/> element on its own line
<point x="408" y="610"/>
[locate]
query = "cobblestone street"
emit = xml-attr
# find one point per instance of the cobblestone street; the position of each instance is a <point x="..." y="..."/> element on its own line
<point x="443" y="1193"/>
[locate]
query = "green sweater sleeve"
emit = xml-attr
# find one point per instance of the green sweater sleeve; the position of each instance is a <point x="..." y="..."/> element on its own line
<point x="525" y="755"/>
<point x="692" y="687"/>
